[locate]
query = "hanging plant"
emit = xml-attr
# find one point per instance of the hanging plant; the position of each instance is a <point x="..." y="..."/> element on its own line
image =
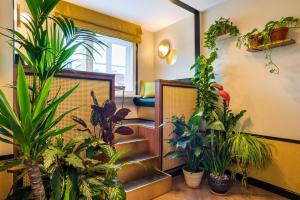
<point x="274" y="31"/>
<point x="221" y="27"/>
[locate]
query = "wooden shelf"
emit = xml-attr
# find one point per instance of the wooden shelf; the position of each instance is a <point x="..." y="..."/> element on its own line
<point x="276" y="44"/>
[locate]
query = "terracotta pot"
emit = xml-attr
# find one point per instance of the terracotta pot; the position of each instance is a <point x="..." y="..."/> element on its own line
<point x="219" y="185"/>
<point x="278" y="34"/>
<point x="192" y="179"/>
<point x="255" y="41"/>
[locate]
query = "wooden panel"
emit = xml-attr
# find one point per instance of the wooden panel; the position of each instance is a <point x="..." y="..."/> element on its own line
<point x="284" y="169"/>
<point x="146" y="113"/>
<point x="154" y="140"/>
<point x="5" y="184"/>
<point x="177" y="101"/>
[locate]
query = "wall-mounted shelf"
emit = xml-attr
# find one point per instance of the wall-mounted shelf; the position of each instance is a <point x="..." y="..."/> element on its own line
<point x="276" y="44"/>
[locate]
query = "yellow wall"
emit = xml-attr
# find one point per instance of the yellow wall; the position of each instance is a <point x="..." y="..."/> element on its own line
<point x="6" y="77"/>
<point x="272" y="101"/>
<point x="284" y="170"/>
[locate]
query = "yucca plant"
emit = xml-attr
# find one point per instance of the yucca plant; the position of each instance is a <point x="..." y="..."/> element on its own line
<point x="50" y="42"/>
<point x="73" y="175"/>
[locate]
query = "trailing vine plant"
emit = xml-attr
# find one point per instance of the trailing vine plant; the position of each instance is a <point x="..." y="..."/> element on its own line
<point x="220" y="27"/>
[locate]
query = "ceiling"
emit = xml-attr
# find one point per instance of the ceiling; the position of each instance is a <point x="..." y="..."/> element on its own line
<point x="152" y="15"/>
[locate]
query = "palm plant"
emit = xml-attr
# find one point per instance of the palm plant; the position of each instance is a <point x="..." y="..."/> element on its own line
<point x="51" y="41"/>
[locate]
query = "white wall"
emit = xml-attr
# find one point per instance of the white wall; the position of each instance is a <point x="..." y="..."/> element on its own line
<point x="272" y="101"/>
<point x="6" y="77"/>
<point x="181" y="35"/>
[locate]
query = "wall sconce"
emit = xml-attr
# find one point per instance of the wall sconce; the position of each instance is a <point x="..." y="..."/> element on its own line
<point x="164" y="48"/>
<point x="166" y="52"/>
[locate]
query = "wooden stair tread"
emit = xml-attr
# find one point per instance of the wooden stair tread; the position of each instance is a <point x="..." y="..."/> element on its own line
<point x="138" y="122"/>
<point x="144" y="181"/>
<point x="138" y="158"/>
<point x="131" y="140"/>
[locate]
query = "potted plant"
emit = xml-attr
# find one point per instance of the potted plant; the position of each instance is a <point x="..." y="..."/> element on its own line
<point x="217" y="158"/>
<point x="188" y="143"/>
<point x="273" y="32"/>
<point x="220" y="27"/>
<point x="248" y="151"/>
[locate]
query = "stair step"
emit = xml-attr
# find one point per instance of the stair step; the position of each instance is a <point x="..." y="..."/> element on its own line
<point x="149" y="187"/>
<point x="138" y="122"/>
<point x="138" y="158"/>
<point x="131" y="140"/>
<point x="133" y="147"/>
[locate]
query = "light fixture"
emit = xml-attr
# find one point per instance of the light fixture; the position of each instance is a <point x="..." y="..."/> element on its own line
<point x="164" y="48"/>
<point x="172" y="57"/>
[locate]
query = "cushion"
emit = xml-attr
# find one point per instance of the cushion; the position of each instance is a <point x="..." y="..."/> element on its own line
<point x="149" y="90"/>
<point x="144" y="102"/>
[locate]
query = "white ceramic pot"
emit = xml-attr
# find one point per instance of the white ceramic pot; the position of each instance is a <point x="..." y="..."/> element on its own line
<point x="192" y="180"/>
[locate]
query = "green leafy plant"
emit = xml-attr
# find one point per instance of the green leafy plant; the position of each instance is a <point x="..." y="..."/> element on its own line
<point x="230" y="119"/>
<point x="203" y="79"/>
<point x="220" y="27"/>
<point x="74" y="175"/>
<point x="249" y="151"/>
<point x="263" y="39"/>
<point x="107" y="118"/>
<point x="50" y="42"/>
<point x="30" y="129"/>
<point x="188" y="142"/>
<point x="217" y="158"/>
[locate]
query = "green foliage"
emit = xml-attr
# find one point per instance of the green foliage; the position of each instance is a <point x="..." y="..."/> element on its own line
<point x="108" y="118"/>
<point x="249" y="151"/>
<point x="229" y="119"/>
<point x="46" y="49"/>
<point x="227" y="148"/>
<point x="203" y="79"/>
<point x="264" y="37"/>
<point x="75" y="176"/>
<point x="188" y="142"/>
<point x="220" y="27"/>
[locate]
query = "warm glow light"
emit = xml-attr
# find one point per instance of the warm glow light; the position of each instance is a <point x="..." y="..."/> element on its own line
<point x="164" y="48"/>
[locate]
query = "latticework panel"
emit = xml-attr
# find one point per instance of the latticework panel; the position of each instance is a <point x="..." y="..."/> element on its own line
<point x="177" y="101"/>
<point x="80" y="99"/>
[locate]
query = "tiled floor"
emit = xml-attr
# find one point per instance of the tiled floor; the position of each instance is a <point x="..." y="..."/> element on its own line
<point x="181" y="192"/>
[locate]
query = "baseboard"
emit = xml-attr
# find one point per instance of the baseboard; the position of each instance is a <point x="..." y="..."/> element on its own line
<point x="271" y="188"/>
<point x="6" y="157"/>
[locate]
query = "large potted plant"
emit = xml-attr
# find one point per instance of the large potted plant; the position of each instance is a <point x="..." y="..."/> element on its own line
<point x="220" y="27"/>
<point x="217" y="157"/>
<point x="50" y="42"/>
<point x="189" y="145"/>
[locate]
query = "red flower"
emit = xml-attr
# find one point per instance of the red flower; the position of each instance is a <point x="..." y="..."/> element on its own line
<point x="223" y="94"/>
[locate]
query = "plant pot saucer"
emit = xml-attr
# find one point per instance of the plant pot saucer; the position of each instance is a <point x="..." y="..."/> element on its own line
<point x="218" y="194"/>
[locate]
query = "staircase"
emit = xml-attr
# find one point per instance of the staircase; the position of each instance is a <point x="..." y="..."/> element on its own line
<point x="141" y="178"/>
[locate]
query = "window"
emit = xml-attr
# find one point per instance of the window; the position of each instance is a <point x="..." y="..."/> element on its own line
<point x="117" y="58"/>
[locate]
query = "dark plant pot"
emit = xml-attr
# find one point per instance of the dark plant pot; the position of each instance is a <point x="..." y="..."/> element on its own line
<point x="255" y="41"/>
<point x="278" y="34"/>
<point x="219" y="185"/>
